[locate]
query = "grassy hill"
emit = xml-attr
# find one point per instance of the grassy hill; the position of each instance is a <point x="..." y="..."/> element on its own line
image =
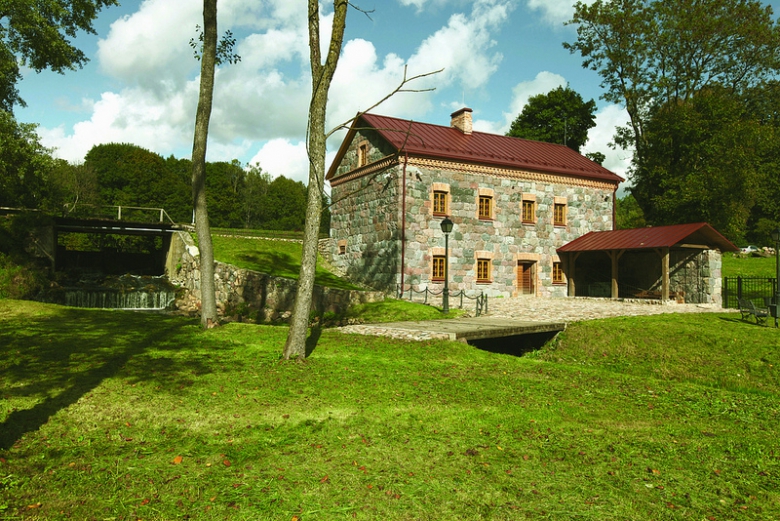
<point x="116" y="415"/>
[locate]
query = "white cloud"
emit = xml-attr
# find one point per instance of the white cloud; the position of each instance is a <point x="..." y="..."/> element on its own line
<point x="284" y="157"/>
<point x="129" y="117"/>
<point x="543" y="83"/>
<point x="151" y="46"/>
<point x="555" y="12"/>
<point x="463" y="48"/>
<point x="600" y="136"/>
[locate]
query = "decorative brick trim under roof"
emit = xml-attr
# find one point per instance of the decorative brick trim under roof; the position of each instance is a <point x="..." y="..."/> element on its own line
<point x="425" y="140"/>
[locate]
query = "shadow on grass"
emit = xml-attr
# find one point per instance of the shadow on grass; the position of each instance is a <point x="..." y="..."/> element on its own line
<point x="737" y="320"/>
<point x="516" y="345"/>
<point x="57" y="358"/>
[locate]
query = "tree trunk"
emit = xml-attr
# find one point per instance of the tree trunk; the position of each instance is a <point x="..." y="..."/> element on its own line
<point x="321" y="76"/>
<point x="208" y="310"/>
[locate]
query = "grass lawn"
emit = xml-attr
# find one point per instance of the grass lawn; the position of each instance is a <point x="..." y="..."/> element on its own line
<point x="275" y="257"/>
<point x="739" y="266"/>
<point x="126" y="416"/>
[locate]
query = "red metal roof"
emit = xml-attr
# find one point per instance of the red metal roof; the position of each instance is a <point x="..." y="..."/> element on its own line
<point x="444" y="142"/>
<point x="651" y="237"/>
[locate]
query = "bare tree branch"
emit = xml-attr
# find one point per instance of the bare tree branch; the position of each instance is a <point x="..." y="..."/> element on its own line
<point x="398" y="89"/>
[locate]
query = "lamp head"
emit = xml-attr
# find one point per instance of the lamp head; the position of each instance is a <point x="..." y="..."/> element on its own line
<point x="446" y="225"/>
<point x="775" y="234"/>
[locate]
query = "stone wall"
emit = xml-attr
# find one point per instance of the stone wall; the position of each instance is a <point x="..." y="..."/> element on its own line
<point x="248" y="292"/>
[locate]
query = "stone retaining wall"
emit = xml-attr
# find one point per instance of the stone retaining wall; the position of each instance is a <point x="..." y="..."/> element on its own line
<point x="249" y="293"/>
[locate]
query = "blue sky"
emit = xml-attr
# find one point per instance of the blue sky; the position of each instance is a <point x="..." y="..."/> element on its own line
<point x="141" y="84"/>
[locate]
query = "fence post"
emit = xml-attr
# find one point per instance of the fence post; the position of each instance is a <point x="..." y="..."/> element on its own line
<point x="739" y="287"/>
<point x="725" y="292"/>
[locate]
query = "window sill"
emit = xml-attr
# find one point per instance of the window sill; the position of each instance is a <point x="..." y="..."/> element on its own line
<point x="484" y="282"/>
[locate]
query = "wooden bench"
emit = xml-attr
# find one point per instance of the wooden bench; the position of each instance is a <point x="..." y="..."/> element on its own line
<point x="748" y="308"/>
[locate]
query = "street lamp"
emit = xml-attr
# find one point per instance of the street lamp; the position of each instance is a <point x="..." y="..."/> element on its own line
<point x="774" y="307"/>
<point x="446" y="227"/>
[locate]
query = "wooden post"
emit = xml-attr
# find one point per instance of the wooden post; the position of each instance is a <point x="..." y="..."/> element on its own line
<point x="571" y="260"/>
<point x="665" y="275"/>
<point x="614" y="256"/>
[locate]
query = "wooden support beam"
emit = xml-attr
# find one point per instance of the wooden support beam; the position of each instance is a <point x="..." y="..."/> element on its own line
<point x="614" y="257"/>
<point x="571" y="261"/>
<point x="665" y="275"/>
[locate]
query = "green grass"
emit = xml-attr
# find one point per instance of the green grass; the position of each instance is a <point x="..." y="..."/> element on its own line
<point x="116" y="415"/>
<point x="742" y="266"/>
<point x="277" y="258"/>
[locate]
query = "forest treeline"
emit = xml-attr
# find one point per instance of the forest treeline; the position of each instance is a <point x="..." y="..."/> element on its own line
<point x="120" y="174"/>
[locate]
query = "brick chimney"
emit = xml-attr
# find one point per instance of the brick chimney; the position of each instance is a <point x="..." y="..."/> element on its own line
<point x="461" y="119"/>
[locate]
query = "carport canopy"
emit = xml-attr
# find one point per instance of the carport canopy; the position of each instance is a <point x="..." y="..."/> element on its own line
<point x="614" y="243"/>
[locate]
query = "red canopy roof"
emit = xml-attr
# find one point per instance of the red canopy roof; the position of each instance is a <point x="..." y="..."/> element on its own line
<point x="652" y="237"/>
<point x="443" y="142"/>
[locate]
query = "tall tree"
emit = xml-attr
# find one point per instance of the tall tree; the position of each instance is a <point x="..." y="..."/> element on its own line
<point x="24" y="164"/>
<point x="321" y="77"/>
<point x="560" y="116"/>
<point x="702" y="163"/>
<point x="38" y="35"/>
<point x="208" y="298"/>
<point x="653" y="52"/>
<point x="666" y="62"/>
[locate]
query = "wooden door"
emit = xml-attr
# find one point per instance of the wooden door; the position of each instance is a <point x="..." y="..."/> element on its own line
<point x="526" y="278"/>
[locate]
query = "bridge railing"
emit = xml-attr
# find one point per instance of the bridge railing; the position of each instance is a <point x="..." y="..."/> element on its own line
<point x="119" y="212"/>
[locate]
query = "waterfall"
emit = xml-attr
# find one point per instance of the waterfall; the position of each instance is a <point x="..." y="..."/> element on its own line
<point x="129" y="292"/>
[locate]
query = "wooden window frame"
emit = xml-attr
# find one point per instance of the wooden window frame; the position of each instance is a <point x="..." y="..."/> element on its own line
<point x="342" y="247"/>
<point x="438" y="268"/>
<point x="484" y="270"/>
<point x="558" y="276"/>
<point x="440" y="197"/>
<point x="528" y="219"/>
<point x="559" y="214"/>
<point x="485" y="214"/>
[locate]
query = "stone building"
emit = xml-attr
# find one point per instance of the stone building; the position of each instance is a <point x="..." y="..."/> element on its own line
<point x="513" y="203"/>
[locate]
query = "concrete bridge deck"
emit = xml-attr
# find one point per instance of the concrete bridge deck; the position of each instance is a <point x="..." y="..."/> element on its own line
<point x="461" y="329"/>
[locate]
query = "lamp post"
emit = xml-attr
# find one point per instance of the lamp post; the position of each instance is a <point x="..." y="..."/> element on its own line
<point x="446" y="227"/>
<point x="776" y="303"/>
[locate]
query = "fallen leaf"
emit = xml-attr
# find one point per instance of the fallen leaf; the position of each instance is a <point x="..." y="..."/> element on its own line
<point x="655" y="471"/>
<point x="323" y="480"/>
<point x="295" y="518"/>
<point x="145" y="502"/>
<point x="36" y="505"/>
<point x="226" y="463"/>
<point x="127" y="424"/>
<point x="177" y="460"/>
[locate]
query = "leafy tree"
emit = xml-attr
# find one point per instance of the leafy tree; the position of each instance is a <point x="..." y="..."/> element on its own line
<point x="652" y="53"/>
<point x="24" y="164"/>
<point x="703" y="163"/>
<point x="628" y="213"/>
<point x="225" y="184"/>
<point x="129" y="175"/>
<point x="560" y="116"/>
<point x="71" y="187"/>
<point x="686" y="72"/>
<point x="286" y="200"/>
<point x="254" y="203"/>
<point x="38" y="35"/>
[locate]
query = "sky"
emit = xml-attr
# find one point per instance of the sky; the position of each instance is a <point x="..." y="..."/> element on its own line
<point x="141" y="84"/>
